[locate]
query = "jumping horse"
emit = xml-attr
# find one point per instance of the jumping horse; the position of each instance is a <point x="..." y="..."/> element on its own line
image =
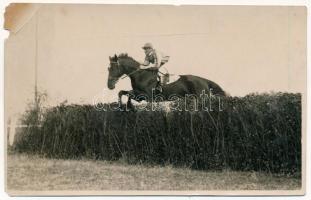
<point x="144" y="82"/>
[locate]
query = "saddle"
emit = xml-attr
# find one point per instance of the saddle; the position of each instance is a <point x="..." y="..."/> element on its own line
<point x="167" y="78"/>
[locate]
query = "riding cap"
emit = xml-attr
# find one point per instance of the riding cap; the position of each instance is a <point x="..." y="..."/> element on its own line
<point x="147" y="45"/>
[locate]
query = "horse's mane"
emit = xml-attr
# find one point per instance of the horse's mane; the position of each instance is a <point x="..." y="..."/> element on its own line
<point x="126" y="56"/>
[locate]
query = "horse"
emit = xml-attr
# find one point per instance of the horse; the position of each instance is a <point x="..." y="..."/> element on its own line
<point x="144" y="82"/>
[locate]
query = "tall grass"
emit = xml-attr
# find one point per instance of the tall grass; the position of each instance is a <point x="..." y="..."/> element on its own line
<point x="255" y="132"/>
<point x="32" y="118"/>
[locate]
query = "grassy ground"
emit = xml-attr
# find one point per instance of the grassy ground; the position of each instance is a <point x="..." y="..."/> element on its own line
<point x="26" y="172"/>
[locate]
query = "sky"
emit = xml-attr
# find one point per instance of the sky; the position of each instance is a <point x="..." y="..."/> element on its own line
<point x="245" y="49"/>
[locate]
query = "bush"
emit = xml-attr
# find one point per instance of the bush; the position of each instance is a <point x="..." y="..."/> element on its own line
<point x="255" y="132"/>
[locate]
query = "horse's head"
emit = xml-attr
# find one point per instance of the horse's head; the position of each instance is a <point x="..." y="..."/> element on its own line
<point x="115" y="72"/>
<point x="119" y="65"/>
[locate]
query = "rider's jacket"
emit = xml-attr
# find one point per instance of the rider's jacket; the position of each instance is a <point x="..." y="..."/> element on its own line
<point x="156" y="58"/>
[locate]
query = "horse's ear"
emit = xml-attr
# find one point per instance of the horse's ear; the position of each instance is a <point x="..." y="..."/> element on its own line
<point x="110" y="58"/>
<point x="115" y="56"/>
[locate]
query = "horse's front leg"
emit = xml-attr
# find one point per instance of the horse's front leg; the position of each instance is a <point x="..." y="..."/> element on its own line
<point x="120" y="94"/>
<point x="130" y="95"/>
<point x="129" y="105"/>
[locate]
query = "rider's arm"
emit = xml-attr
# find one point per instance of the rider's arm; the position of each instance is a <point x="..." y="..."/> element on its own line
<point x="158" y="60"/>
<point x="156" y="64"/>
<point x="146" y="62"/>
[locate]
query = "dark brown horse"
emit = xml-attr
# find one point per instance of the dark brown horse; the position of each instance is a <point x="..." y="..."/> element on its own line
<point x="144" y="82"/>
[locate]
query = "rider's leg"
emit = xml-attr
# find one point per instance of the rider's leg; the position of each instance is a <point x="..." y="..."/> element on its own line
<point x="159" y="86"/>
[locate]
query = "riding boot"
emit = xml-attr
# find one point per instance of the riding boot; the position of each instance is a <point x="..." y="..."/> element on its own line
<point x="159" y="87"/>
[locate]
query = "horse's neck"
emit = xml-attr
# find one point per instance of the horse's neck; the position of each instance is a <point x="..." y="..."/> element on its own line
<point x="140" y="79"/>
<point x="129" y="69"/>
<point x="143" y="80"/>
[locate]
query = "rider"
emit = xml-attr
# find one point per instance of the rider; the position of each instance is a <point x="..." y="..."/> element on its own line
<point x="154" y="59"/>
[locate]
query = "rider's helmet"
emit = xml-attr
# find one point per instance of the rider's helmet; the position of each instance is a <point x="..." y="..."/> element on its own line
<point x="147" y="45"/>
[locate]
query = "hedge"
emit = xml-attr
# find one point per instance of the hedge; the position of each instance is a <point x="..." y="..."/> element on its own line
<point x="255" y="132"/>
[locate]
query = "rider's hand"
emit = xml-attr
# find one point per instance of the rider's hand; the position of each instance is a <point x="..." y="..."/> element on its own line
<point x="153" y="68"/>
<point x="148" y="67"/>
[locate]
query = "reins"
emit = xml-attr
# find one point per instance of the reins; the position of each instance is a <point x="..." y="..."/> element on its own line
<point x="127" y="75"/>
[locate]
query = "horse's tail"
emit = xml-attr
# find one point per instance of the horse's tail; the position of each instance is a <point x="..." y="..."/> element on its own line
<point x="216" y="89"/>
<point x="227" y="94"/>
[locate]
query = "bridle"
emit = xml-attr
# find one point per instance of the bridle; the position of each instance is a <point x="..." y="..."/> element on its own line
<point x="118" y="66"/>
<point x="114" y="62"/>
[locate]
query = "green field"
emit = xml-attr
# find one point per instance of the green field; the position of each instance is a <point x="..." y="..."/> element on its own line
<point x="28" y="172"/>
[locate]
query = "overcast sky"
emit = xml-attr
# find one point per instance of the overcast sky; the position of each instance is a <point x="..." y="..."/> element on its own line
<point x="244" y="49"/>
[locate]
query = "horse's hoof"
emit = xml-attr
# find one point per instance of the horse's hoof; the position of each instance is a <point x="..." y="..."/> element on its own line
<point x="130" y="107"/>
<point x="122" y="107"/>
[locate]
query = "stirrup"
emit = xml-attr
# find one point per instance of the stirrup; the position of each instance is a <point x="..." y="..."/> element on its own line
<point x="159" y="88"/>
